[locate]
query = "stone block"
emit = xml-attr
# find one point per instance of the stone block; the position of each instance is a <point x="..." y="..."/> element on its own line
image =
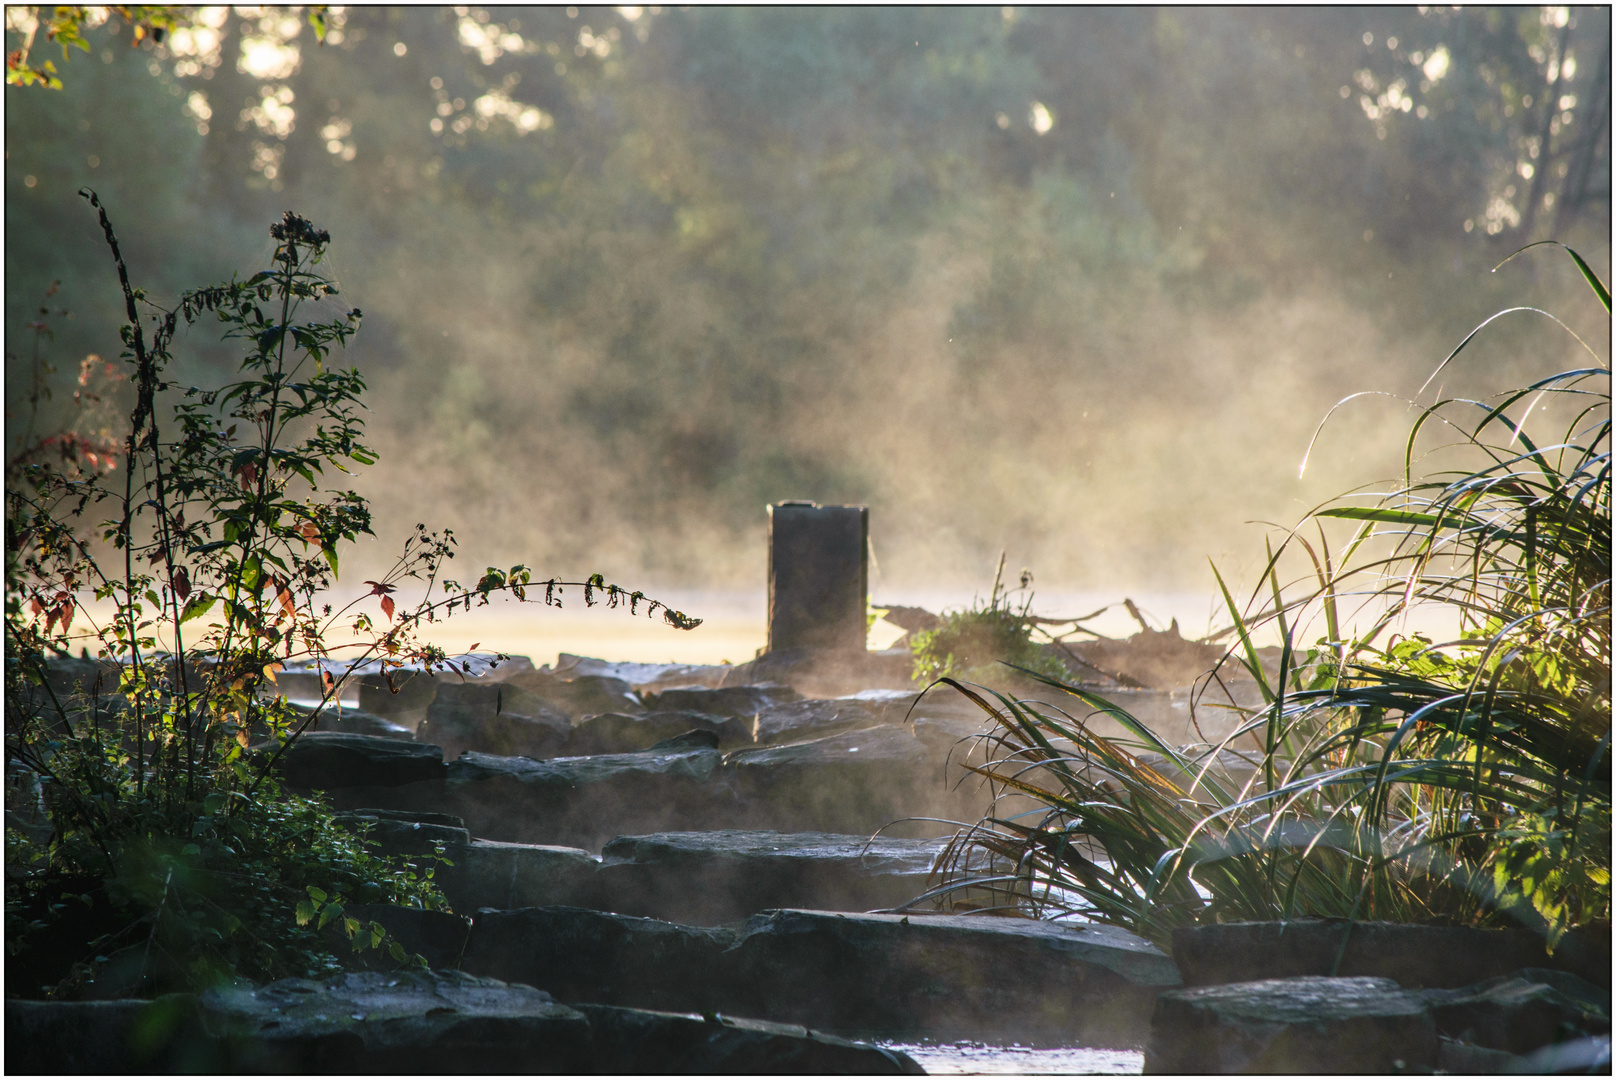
<point x="1415" y="955"/>
<point x="722" y="876"/>
<point x="818" y="576"/>
<point x="953" y="976"/>
<point x="1307" y="1024"/>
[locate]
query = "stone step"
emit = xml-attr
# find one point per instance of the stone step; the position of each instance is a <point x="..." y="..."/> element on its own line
<point x="380" y="1023"/>
<point x="705" y="878"/>
<point x="854" y="782"/>
<point x="925" y="976"/>
<point x="1308" y="1024"/>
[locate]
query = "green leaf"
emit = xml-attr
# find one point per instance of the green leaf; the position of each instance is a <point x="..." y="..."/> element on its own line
<point x="327" y="913"/>
<point x="305" y="912"/>
<point x="197" y="605"/>
<point x="317" y="895"/>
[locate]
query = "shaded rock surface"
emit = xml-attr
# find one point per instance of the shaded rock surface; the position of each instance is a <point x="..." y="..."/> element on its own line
<point x="724" y="701"/>
<point x="495" y="718"/>
<point x="447" y="1023"/>
<point x="642" y="677"/>
<point x="623" y="733"/>
<point x="582" y="694"/>
<point x="858" y="781"/>
<point x="827" y="672"/>
<point x="1299" y="1025"/>
<point x="357" y="722"/>
<point x="727" y="875"/>
<point x="584" y="801"/>
<point x="332" y="760"/>
<point x="932" y="976"/>
<point x="953" y="976"/>
<point x="582" y="955"/>
<point x="1414" y="955"/>
<point x="1522" y="1012"/>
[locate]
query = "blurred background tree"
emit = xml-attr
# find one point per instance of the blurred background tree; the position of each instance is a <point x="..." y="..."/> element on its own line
<point x="1074" y="281"/>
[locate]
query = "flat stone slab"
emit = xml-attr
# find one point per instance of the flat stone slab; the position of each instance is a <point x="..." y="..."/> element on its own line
<point x="581" y="955"/>
<point x="330" y="760"/>
<point x="1522" y="1012"/>
<point x="1414" y="955"/>
<point x="625" y="733"/>
<point x="726" y="875"/>
<point x="494" y="718"/>
<point x="946" y="977"/>
<point x="1299" y="1025"/>
<point x="585" y="801"/>
<point x="954" y="976"/>
<point x="856" y="782"/>
<point x="745" y="701"/>
<point x="377" y="1023"/>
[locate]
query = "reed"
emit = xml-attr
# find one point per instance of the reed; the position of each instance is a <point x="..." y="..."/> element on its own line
<point x="1394" y="777"/>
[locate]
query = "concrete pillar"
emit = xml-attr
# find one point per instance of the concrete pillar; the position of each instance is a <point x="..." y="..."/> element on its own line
<point x="818" y="575"/>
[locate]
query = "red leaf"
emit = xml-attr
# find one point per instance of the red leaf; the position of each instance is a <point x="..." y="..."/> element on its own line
<point x="387" y="606"/>
<point x="180" y="582"/>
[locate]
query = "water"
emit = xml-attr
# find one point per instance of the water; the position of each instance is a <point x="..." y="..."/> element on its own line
<point x="984" y="1059"/>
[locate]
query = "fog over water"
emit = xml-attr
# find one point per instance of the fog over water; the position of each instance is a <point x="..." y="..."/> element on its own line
<point x="1076" y="285"/>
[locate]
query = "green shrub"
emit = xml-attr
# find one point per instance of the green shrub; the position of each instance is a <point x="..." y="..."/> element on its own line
<point x="973" y="643"/>
<point x="169" y="857"/>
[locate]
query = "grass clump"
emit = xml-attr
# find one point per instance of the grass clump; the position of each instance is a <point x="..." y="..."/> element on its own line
<point x="1391" y="776"/>
<point x="971" y="644"/>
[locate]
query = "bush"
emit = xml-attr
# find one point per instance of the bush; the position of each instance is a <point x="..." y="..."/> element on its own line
<point x="971" y="644"/>
<point x="168" y="856"/>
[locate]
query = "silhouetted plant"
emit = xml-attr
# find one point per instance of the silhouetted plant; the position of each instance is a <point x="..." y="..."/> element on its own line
<point x="166" y="831"/>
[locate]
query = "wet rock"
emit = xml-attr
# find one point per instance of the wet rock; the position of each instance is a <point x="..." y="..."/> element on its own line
<point x="647" y="1042"/>
<point x="500" y="875"/>
<point x="642" y="677"/>
<point x="745" y="701"/>
<point x="1522" y="1012"/>
<point x="447" y="1023"/>
<point x="622" y="733"/>
<point x="92" y="1038"/>
<point x="400" y="1022"/>
<point x="1414" y="955"/>
<point x="394" y="832"/>
<point x="855" y="782"/>
<point x="798" y="720"/>
<point x="582" y="695"/>
<point x="496" y="718"/>
<point x="1307" y="1024"/>
<point x="827" y="672"/>
<point x="722" y="876"/>
<point x="953" y="976"/>
<point x="334" y="760"/>
<point x="402" y="697"/>
<point x="1586" y="1057"/>
<point x="585" y="801"/>
<point x="356" y="722"/>
<point x="580" y="955"/>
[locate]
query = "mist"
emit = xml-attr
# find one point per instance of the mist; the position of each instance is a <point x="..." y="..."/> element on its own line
<point x="1075" y="285"/>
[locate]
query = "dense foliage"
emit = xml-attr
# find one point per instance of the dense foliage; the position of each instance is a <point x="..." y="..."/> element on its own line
<point x="1386" y="775"/>
<point x="149" y="845"/>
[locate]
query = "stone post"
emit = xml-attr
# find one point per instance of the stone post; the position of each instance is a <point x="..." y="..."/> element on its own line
<point x="818" y="576"/>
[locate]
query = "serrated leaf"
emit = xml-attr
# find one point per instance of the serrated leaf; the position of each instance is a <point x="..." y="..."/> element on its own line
<point x="305" y="912"/>
<point x="317" y="895"/>
<point x="327" y="913"/>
